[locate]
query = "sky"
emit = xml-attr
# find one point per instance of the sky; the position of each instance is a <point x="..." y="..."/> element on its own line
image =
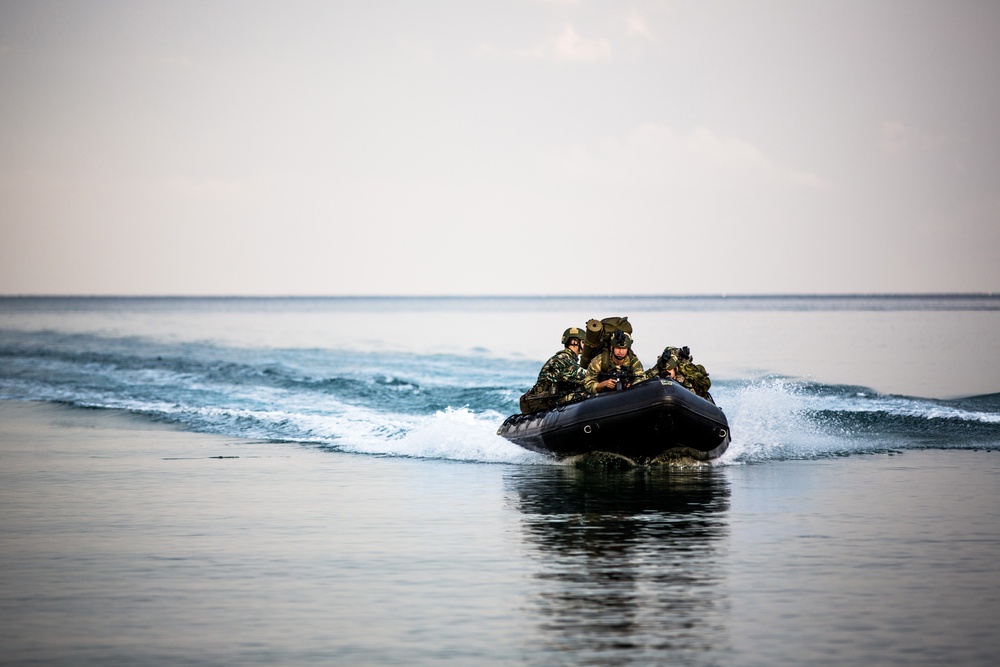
<point x="523" y="147"/>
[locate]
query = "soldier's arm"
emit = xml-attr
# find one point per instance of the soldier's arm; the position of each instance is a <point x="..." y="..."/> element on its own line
<point x="590" y="383"/>
<point x="637" y="373"/>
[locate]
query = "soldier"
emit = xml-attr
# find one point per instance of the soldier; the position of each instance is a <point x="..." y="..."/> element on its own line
<point x="677" y="364"/>
<point x="616" y="368"/>
<point x="561" y="379"/>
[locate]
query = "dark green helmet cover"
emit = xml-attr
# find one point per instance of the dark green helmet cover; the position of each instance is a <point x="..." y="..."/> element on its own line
<point x="573" y="332"/>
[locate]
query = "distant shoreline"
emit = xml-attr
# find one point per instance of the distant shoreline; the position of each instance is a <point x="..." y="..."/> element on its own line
<point x="599" y="306"/>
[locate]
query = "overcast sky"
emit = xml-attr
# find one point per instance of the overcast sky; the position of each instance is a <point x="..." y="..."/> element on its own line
<point x="499" y="147"/>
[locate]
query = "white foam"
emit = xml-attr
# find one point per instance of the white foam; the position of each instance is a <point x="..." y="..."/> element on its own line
<point x="770" y="419"/>
<point x="453" y="433"/>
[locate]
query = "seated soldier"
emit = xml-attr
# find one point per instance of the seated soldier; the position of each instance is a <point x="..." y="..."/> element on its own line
<point x="561" y="379"/>
<point x="616" y="368"/>
<point x="677" y="364"/>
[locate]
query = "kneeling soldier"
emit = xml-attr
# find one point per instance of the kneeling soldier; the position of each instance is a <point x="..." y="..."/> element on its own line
<point x="677" y="364"/>
<point x="561" y="379"/>
<point x="616" y="368"/>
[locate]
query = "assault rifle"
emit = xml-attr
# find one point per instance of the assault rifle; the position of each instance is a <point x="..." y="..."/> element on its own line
<point x="623" y="379"/>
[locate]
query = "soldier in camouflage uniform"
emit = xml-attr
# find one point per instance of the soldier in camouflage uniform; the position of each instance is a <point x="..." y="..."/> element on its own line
<point x="616" y="368"/>
<point x="561" y="379"/>
<point x="677" y="364"/>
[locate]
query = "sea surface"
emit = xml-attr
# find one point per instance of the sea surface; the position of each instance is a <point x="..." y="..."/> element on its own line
<point x="319" y="481"/>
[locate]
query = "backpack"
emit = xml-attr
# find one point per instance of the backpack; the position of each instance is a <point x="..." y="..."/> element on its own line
<point x="598" y="335"/>
<point x="696" y="378"/>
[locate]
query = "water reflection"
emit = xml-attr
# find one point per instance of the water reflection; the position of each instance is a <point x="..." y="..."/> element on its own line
<point x="629" y="561"/>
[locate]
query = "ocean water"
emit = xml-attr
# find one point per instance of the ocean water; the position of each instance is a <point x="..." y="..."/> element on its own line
<point x="432" y="378"/>
<point x="362" y="509"/>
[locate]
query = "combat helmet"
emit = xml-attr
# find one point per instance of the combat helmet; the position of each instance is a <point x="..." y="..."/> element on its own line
<point x="573" y="332"/>
<point x="620" y="339"/>
<point x="668" y="359"/>
<point x="673" y="356"/>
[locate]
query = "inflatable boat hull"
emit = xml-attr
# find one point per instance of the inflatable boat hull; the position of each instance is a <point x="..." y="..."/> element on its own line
<point x="651" y="420"/>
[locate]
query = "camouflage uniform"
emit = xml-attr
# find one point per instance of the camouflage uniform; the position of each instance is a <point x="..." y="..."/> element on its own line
<point x="559" y="382"/>
<point x="602" y="367"/>
<point x="690" y="375"/>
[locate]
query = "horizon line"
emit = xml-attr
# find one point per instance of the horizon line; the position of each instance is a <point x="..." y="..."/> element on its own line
<point x="716" y="295"/>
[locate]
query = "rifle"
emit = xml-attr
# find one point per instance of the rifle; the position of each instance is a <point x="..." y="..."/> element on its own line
<point x="623" y="378"/>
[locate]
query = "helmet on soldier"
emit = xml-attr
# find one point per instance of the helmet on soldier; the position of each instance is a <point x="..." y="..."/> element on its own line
<point x="669" y="359"/>
<point x="621" y="339"/>
<point x="572" y="332"/>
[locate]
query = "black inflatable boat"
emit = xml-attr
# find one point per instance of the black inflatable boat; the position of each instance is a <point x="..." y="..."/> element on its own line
<point x="654" y="419"/>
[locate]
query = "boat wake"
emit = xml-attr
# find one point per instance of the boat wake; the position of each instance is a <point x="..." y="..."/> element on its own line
<point x="780" y="419"/>
<point x="440" y="406"/>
